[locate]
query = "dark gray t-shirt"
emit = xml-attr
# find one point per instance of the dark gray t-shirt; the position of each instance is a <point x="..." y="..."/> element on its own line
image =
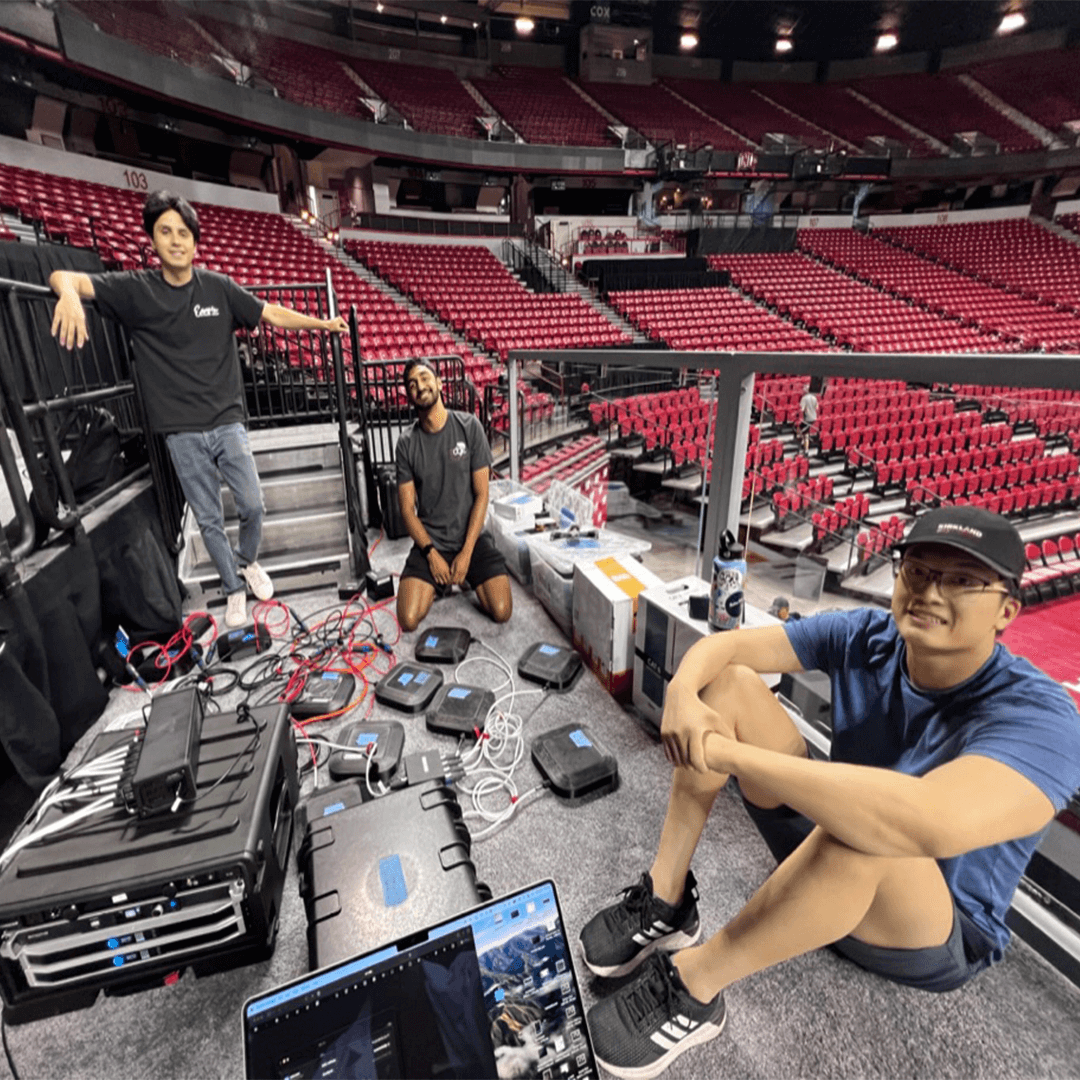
<point x="441" y="465"/>
<point x="184" y="343"/>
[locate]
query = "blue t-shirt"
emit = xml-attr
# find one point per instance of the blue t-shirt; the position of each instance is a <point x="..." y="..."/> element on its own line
<point x="1008" y="710"/>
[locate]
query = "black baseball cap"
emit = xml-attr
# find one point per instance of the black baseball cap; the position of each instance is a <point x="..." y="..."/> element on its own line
<point x="991" y="538"/>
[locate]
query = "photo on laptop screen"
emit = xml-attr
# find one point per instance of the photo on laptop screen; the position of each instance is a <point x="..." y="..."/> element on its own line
<point x="491" y="993"/>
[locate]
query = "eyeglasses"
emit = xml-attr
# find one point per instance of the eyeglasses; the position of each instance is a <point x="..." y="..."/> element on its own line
<point x="918" y="576"/>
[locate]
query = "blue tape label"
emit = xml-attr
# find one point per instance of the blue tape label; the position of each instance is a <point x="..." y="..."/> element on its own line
<point x="579" y="738"/>
<point x="548" y="650"/>
<point x="422" y="677"/>
<point x="393" y="880"/>
<point x="405" y="678"/>
<point x="333" y="808"/>
<point x="332" y="676"/>
<point x="432" y="641"/>
<point x="366" y="738"/>
<point x="459" y="692"/>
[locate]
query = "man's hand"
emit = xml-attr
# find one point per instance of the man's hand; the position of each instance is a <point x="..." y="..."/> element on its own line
<point x="338" y="325"/>
<point x="69" y="320"/>
<point x="439" y="568"/>
<point x="460" y="567"/>
<point x="687" y="721"/>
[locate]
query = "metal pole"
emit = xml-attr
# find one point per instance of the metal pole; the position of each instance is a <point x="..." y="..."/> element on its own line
<point x="515" y="432"/>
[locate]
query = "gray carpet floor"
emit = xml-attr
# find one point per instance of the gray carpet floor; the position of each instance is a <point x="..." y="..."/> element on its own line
<point x="816" y="1016"/>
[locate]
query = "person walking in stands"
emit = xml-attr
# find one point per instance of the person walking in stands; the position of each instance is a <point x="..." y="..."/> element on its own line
<point x="949" y="758"/>
<point x="808" y="406"/>
<point x="182" y="321"/>
<point x="443" y="466"/>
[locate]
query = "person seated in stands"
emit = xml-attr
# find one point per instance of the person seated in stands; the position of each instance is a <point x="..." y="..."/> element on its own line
<point x="443" y="466"/>
<point x="182" y="321"/>
<point x="949" y="758"/>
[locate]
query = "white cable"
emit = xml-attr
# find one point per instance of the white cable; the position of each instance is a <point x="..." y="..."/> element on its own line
<point x="56" y="827"/>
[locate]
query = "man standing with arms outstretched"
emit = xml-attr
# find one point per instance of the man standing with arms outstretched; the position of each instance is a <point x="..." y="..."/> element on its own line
<point x="949" y="757"/>
<point x="443" y="466"/>
<point x="182" y="321"/>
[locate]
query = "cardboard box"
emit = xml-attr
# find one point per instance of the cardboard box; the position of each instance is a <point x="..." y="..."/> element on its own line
<point x="665" y="631"/>
<point x="556" y="592"/>
<point x="605" y="611"/>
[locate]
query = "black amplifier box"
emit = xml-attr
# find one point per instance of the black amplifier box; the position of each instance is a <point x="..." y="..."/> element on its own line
<point x="372" y="872"/>
<point x="120" y="903"/>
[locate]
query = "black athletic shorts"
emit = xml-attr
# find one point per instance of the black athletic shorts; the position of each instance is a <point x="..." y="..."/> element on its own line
<point x="487" y="562"/>
<point x="940" y="968"/>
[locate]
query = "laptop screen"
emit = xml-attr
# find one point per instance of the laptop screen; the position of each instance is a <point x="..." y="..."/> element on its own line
<point x="491" y="993"/>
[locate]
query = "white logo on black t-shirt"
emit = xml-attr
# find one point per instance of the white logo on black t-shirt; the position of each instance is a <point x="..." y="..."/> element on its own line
<point x="206" y="312"/>
<point x="460" y="450"/>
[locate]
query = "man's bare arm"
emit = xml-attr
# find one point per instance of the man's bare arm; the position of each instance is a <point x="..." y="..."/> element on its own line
<point x="970" y="802"/>
<point x="69" y="318"/>
<point x="287" y="319"/>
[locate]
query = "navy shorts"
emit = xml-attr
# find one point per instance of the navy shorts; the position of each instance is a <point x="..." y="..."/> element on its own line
<point x="940" y="968"/>
<point x="486" y="563"/>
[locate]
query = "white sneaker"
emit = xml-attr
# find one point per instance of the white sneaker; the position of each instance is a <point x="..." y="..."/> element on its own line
<point x="236" y="611"/>
<point x="258" y="581"/>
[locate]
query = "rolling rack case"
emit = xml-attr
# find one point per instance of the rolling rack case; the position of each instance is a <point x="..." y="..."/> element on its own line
<point x="122" y="903"/>
<point x="374" y="871"/>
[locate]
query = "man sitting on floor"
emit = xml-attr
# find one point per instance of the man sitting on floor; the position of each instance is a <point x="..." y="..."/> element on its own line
<point x="443" y="465"/>
<point x="949" y="757"/>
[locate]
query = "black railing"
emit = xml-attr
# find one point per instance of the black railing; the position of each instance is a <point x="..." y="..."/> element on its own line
<point x="50" y="397"/>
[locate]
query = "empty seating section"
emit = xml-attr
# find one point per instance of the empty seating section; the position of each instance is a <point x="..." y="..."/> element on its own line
<point x="306" y="74"/>
<point x="569" y="463"/>
<point x="739" y="107"/>
<point x="714" y="318"/>
<point x="1053" y="414"/>
<point x="662" y="118"/>
<point x="833" y="108"/>
<point x="430" y="98"/>
<point x="1023" y="322"/>
<point x="158" y="27"/>
<point x="1018" y="255"/>
<point x="541" y="107"/>
<point x="1053" y="569"/>
<point x="1044" y="86"/>
<point x="850" y="312"/>
<point x="941" y="105"/>
<point x="468" y="287"/>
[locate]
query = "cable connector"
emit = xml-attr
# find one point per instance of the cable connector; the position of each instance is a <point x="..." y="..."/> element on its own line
<point x="381" y="643"/>
<point x="432" y="765"/>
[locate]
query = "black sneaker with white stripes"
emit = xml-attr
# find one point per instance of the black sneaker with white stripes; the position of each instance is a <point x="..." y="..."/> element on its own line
<point x="617" y="939"/>
<point x="644" y="1026"/>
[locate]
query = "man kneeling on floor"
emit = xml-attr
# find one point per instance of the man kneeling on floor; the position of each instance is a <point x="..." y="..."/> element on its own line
<point x="949" y="757"/>
<point x="443" y="465"/>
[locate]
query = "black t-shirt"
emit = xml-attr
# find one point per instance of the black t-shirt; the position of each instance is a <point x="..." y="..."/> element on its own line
<point x="184" y="343"/>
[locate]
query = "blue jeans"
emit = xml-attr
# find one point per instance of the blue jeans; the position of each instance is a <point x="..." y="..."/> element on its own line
<point x="203" y="459"/>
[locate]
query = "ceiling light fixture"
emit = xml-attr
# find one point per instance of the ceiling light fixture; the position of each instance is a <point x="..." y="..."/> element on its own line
<point x="784" y="45"/>
<point x="442" y="19"/>
<point x="1014" y="20"/>
<point x="688" y="41"/>
<point x="378" y="8"/>
<point x="524" y="25"/>
<point x="886" y="41"/>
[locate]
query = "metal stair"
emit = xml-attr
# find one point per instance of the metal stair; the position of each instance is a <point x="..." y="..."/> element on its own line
<point x="305" y="540"/>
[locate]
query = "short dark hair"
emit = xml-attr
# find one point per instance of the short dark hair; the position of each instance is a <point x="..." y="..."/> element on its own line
<point x="415" y="364"/>
<point x="160" y="202"/>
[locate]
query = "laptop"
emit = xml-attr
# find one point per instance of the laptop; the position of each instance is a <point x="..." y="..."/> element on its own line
<point x="489" y="993"/>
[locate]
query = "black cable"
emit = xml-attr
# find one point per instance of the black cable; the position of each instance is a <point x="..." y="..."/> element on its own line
<point x="7" y="1049"/>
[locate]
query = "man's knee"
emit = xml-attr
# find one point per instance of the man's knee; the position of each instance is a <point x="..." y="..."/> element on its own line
<point x="740" y="696"/>
<point x="496" y="599"/>
<point x="500" y="609"/>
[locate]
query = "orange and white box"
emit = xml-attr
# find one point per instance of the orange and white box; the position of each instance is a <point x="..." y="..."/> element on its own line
<point x="605" y="614"/>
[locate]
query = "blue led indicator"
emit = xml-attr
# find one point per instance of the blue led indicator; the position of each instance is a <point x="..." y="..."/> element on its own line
<point x="113" y="943"/>
<point x="118" y="961"/>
